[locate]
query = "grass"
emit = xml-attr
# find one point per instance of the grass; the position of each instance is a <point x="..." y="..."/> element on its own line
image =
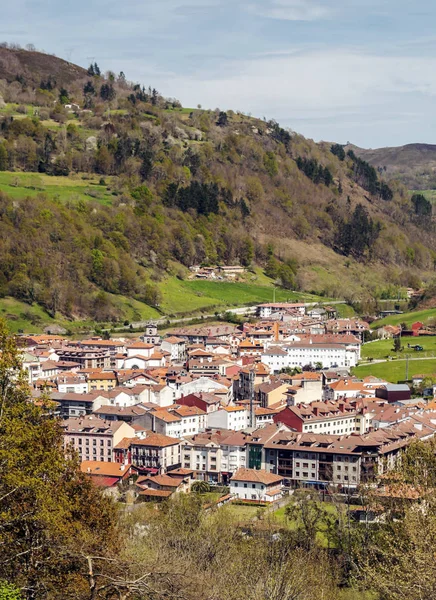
<point x="21" y="316"/>
<point x="186" y="297"/>
<point x="385" y="348"/>
<point x="242" y="514"/>
<point x="411" y="317"/>
<point x="19" y="185"/>
<point x="395" y="370"/>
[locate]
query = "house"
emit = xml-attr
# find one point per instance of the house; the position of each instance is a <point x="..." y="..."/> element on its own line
<point x="102" y="381"/>
<point x="260" y="486"/>
<point x="72" y="383"/>
<point x="155" y="453"/>
<point x="150" y="487"/>
<point x="107" y="475"/>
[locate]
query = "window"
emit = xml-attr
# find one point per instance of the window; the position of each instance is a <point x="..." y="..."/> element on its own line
<point x="245" y="485"/>
<point x="236" y="484"/>
<point x="253" y="485"/>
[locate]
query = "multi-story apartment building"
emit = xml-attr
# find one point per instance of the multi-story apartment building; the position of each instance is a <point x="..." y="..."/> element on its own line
<point x="93" y="438"/>
<point x="203" y="453"/>
<point x="344" y="461"/>
<point x="153" y="454"/>
<point x="330" y="418"/>
<point x="87" y="358"/>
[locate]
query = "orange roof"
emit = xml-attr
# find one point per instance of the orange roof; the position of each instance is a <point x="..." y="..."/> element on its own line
<point x="102" y="375"/>
<point x="256" y="476"/>
<point x="97" y="467"/>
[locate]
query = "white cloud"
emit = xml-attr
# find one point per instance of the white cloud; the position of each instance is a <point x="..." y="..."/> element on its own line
<point x="290" y="10"/>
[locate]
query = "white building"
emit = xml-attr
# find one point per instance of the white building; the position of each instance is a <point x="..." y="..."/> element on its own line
<point x="229" y="417"/>
<point x="300" y="354"/>
<point x="72" y="385"/>
<point x="252" y="484"/>
<point x="265" y="311"/>
<point x="176" y="347"/>
<point x="176" y="421"/>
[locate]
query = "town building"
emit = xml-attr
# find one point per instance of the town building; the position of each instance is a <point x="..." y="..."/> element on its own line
<point x="256" y="485"/>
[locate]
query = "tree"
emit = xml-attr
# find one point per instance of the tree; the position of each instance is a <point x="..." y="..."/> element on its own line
<point x="88" y="88"/>
<point x="107" y="92"/>
<point x="309" y="515"/>
<point x="396" y="564"/>
<point x="421" y="205"/>
<point x="338" y="151"/>
<point x="3" y="158"/>
<point x="247" y="252"/>
<point x="397" y="344"/>
<point x="200" y="487"/>
<point x="222" y="119"/>
<point x="49" y="511"/>
<point x="9" y="591"/>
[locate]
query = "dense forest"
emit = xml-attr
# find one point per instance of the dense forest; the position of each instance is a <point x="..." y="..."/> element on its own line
<point x="61" y="537"/>
<point x="171" y="187"/>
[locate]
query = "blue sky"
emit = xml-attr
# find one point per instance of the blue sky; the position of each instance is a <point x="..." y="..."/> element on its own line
<point x="342" y="70"/>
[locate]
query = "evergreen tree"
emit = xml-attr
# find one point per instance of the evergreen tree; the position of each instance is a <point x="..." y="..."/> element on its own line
<point x="422" y="206"/>
<point x="222" y="119"/>
<point x="338" y="151"/>
<point x="3" y="158"/>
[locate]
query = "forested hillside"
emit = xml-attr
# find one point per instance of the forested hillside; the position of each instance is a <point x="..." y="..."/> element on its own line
<point x="146" y="188"/>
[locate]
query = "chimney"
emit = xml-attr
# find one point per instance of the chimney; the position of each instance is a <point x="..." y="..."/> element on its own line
<point x="122" y="467"/>
<point x="315" y="411"/>
<point x="341" y="406"/>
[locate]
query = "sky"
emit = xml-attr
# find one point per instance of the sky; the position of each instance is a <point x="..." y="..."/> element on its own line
<point x="362" y="71"/>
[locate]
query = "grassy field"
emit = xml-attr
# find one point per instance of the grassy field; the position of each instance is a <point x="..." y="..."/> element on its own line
<point x="242" y="514"/>
<point x="411" y="317"/>
<point x="19" y="185"/>
<point x="183" y="297"/>
<point x="395" y="370"/>
<point x="385" y="348"/>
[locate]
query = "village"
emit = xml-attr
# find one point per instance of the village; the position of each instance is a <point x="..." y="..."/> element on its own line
<point x="256" y="410"/>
